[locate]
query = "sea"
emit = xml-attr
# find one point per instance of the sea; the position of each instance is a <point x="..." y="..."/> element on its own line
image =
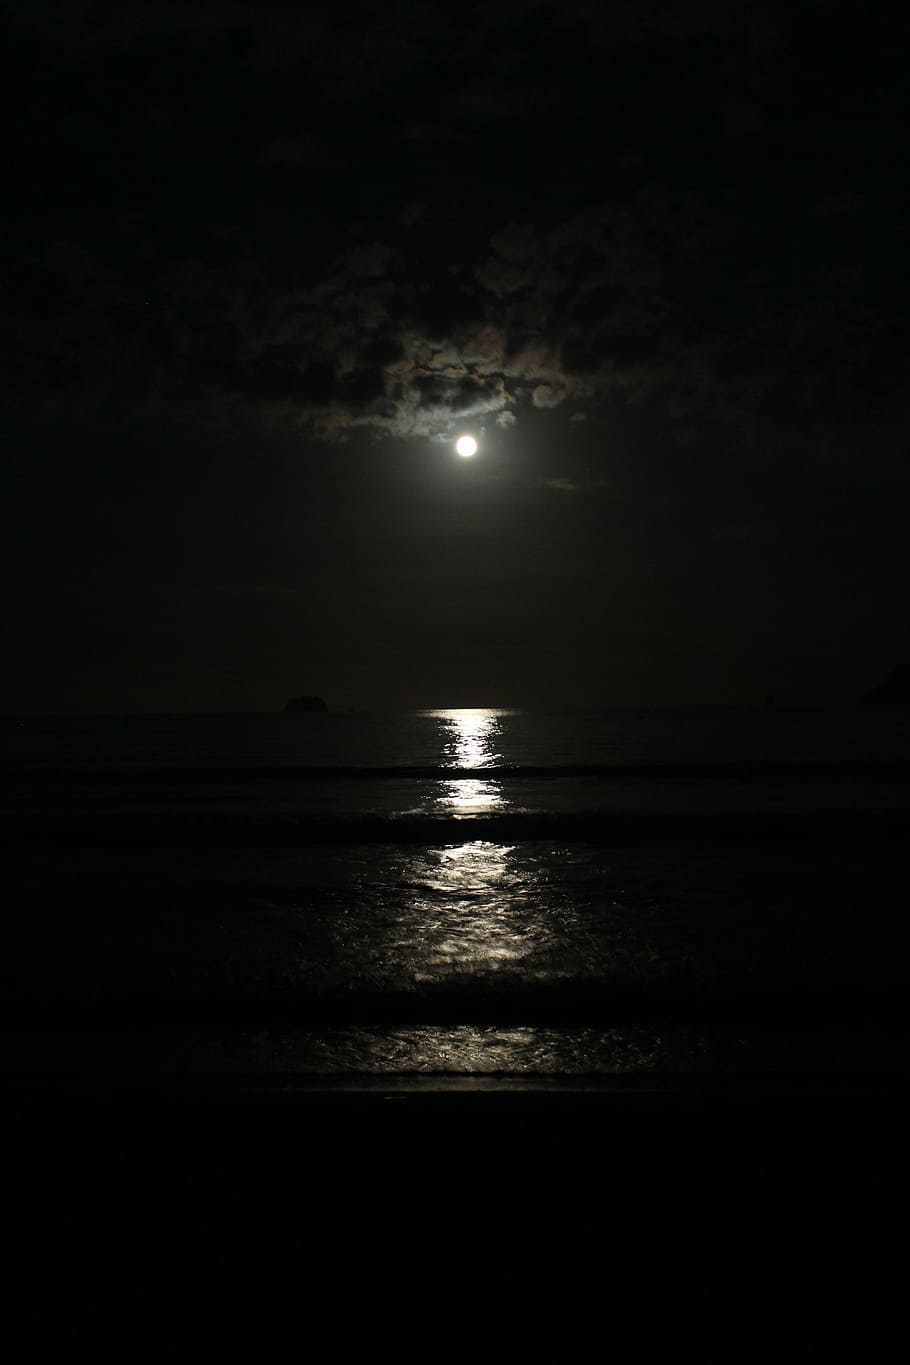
<point x="457" y="894"/>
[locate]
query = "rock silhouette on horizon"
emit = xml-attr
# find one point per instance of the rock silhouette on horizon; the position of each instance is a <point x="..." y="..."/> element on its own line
<point x="305" y="704"/>
<point x="895" y="689"/>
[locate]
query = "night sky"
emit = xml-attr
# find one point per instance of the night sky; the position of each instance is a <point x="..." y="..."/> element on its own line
<point x="263" y="265"/>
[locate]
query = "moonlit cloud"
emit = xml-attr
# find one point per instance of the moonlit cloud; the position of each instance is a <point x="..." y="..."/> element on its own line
<point x="638" y="285"/>
<point x="586" y="482"/>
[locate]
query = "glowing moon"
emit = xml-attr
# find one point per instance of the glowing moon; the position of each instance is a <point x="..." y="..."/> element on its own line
<point x="466" y="445"/>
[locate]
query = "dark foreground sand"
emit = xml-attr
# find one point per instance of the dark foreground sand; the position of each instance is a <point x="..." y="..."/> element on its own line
<point x="761" y="1218"/>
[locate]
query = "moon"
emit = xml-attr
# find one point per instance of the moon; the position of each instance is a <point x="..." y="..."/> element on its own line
<point x="466" y="445"/>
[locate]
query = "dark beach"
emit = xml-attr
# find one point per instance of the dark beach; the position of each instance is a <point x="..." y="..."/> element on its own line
<point x="385" y="1057"/>
<point x="759" y="1218"/>
<point x="638" y="1085"/>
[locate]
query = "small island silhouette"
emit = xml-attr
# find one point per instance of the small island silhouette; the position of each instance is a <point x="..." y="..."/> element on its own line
<point x="305" y="704"/>
<point x="895" y="689"/>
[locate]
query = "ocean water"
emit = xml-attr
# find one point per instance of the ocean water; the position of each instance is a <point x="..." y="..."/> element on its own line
<point x="457" y="892"/>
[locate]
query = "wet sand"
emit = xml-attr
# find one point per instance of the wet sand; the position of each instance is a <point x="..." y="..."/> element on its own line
<point x="426" y="1218"/>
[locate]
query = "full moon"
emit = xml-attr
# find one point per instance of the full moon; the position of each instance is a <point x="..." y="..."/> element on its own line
<point x="466" y="445"/>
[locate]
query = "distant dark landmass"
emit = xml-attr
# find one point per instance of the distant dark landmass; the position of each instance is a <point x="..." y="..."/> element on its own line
<point x="896" y="689"/>
<point x="306" y="704"/>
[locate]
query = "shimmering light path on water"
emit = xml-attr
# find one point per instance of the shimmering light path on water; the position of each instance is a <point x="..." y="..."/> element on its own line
<point x="253" y="919"/>
<point x="470" y="740"/>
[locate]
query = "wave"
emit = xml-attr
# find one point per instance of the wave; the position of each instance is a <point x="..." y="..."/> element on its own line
<point x="438" y="773"/>
<point x="595" y="1003"/>
<point x="137" y="830"/>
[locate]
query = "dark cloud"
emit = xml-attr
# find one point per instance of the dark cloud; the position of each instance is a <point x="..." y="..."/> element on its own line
<point x="345" y="221"/>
